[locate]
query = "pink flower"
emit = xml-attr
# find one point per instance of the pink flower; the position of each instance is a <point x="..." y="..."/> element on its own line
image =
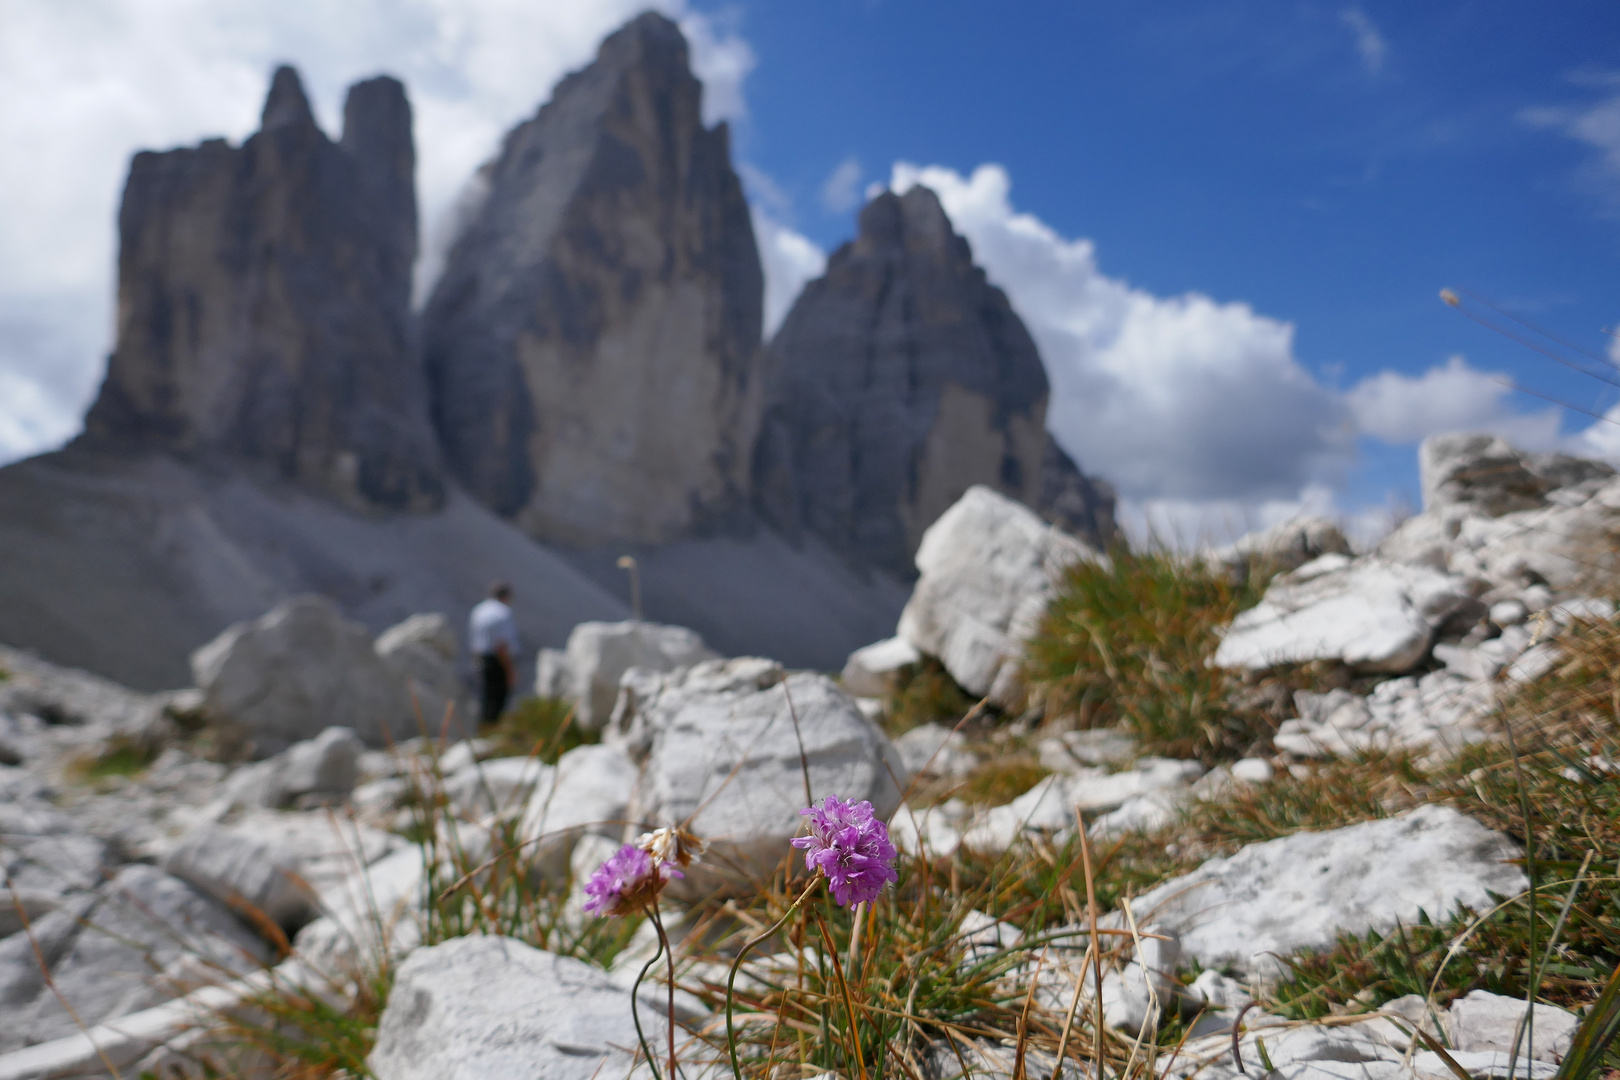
<point x="628" y="881"/>
<point x="851" y="847"/>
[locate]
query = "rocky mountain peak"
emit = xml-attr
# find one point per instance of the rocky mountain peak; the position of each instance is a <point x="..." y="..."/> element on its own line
<point x="593" y="343"/>
<point x="286" y="105"/>
<point x="900" y="379"/>
<point x="264" y="304"/>
<point x="914" y="223"/>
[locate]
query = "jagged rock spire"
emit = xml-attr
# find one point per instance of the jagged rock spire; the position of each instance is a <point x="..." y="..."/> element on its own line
<point x="593" y="344"/>
<point x="900" y="379"/>
<point x="264" y="304"/>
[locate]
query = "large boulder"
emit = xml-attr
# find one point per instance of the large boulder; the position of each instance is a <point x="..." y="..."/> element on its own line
<point x="245" y="873"/>
<point x="1368" y="613"/>
<point x="1273" y="899"/>
<point x="594" y="341"/>
<point x="302" y="667"/>
<point x="42" y="851"/>
<point x="989" y="566"/>
<point x="476" y="1008"/>
<point x="720" y="746"/>
<point x="264" y="304"/>
<point x="322" y="770"/>
<point x="874" y="670"/>
<point x="1482" y="474"/>
<point x="145" y="938"/>
<point x="422" y="651"/>
<point x="901" y="378"/>
<point x="599" y="653"/>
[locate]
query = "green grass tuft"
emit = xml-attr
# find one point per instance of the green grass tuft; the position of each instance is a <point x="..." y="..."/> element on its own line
<point x="927" y="694"/>
<point x="542" y="727"/>
<point x="1128" y="642"/>
<point x="119" y="756"/>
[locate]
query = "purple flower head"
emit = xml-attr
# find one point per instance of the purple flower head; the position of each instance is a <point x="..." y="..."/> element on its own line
<point x="851" y="847"/>
<point x="628" y="881"/>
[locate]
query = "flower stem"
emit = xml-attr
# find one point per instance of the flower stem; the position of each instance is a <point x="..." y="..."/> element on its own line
<point x="852" y="967"/>
<point x="635" y="1013"/>
<point x="669" y="953"/>
<point x="731" y="979"/>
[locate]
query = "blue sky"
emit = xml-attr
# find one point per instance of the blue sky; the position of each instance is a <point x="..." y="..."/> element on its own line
<point x="1226" y="223"/>
<point x="1332" y="165"/>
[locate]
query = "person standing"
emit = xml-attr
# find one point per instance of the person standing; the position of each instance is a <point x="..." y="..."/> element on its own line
<point x="493" y="638"/>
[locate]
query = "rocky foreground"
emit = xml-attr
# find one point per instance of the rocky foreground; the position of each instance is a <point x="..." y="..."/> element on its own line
<point x="167" y="857"/>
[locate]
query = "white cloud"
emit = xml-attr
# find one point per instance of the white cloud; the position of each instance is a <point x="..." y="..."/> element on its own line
<point x="840" y="192"/>
<point x="1179" y="398"/>
<point x="1597" y="124"/>
<point x="103" y="79"/>
<point x="1397" y="408"/>
<point x="1370" y="44"/>
<point x="789" y="260"/>
<point x="722" y="60"/>
<point x="763" y="190"/>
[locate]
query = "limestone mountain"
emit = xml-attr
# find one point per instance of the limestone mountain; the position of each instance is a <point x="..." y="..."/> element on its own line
<point x="900" y="379"/>
<point x="264" y="304"/>
<point x="594" y="342"/>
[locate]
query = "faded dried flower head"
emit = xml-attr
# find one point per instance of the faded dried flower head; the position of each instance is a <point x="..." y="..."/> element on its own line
<point x="672" y="844"/>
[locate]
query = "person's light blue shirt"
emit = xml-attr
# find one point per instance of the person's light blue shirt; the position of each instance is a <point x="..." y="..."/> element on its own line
<point x="491" y="625"/>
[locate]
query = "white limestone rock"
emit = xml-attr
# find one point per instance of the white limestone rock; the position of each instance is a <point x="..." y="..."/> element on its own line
<point x="368" y="915"/>
<point x="278" y="863"/>
<point x="1143" y="798"/>
<point x="501" y="786"/>
<point x="321" y="770"/>
<point x="244" y="872"/>
<point x="1482" y="1022"/>
<point x="1077" y="751"/>
<point x="935" y="749"/>
<point x="1440" y="711"/>
<point x="928" y="830"/>
<point x="988" y="568"/>
<point x="1300" y="892"/>
<point x="297" y="670"/>
<point x="1373" y="615"/>
<point x="1285" y="546"/>
<point x="552" y="679"/>
<point x="43" y="850"/>
<point x="588" y="795"/>
<point x="718" y="740"/>
<point x="1484" y="475"/>
<point x="599" y="653"/>
<point x="422" y="651"/>
<point x="480" y="1007"/>
<point x="874" y="670"/>
<point x="146" y="937"/>
<point x="1482" y="1065"/>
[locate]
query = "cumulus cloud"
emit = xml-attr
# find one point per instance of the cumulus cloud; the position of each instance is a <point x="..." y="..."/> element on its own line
<point x="1370" y="44"/>
<point x="841" y="191"/>
<point x="1597" y="124"/>
<point x="1396" y="408"/>
<point x="102" y="80"/>
<point x="1168" y="397"/>
<point x="789" y="259"/>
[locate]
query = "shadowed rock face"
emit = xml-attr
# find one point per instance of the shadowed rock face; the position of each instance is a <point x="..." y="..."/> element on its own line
<point x="901" y="379"/>
<point x="264" y="304"/>
<point x="593" y="344"/>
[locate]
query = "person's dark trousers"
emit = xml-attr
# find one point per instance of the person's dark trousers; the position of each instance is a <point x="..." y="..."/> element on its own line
<point x="495" y="687"/>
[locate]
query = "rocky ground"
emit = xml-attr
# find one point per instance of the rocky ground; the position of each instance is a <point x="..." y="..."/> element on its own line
<point x="310" y="815"/>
